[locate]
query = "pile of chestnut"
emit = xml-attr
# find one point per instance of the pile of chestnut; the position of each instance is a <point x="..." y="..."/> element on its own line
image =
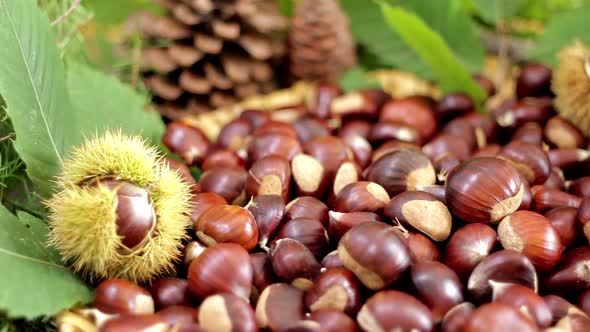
<point x="360" y="212"/>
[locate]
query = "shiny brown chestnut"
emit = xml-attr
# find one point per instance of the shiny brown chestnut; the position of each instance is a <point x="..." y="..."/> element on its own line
<point x="349" y="172"/>
<point x="223" y="259"/>
<point x="572" y="275"/>
<point x="455" y="319"/>
<point x="337" y="289"/>
<point x="177" y="315"/>
<point x="435" y="189"/>
<point x="414" y="112"/>
<point x="270" y="175"/>
<point x="275" y="127"/>
<point x="354" y="104"/>
<point x="446" y="143"/>
<point x="235" y="135"/>
<point x="319" y="99"/>
<point x="503" y="266"/>
<point x="443" y="164"/>
<point x="361" y="149"/>
<point x="362" y="196"/>
<point x="307" y="207"/>
<point x="534" y="80"/>
<point x="310" y="127"/>
<point x="583" y="217"/>
<point x="498" y="317"/>
<point x="331" y="260"/>
<point x="401" y="170"/>
<point x="490" y="150"/>
<point x="531" y="234"/>
<point x="384" y="131"/>
<point x="273" y="143"/>
<point x="559" y="307"/>
<point x="529" y="159"/>
<point x="556" y="179"/>
<point x="151" y="322"/>
<point x="227" y="182"/>
<point x="264" y="274"/>
<point x="191" y="251"/>
<point x="584" y="302"/>
<point x="422" y="211"/>
<point x="268" y="211"/>
<point x="471" y="135"/>
<point x="546" y="199"/>
<point x="563" y="220"/>
<point x="437" y="286"/>
<point x="394" y="311"/>
<point x="526" y="300"/>
<point x="227" y="312"/>
<point x="392" y="146"/>
<point x="222" y="158"/>
<point x="333" y="321"/>
<point x="530" y="132"/>
<point x="421" y="248"/>
<point x="310" y="232"/>
<point x="526" y="110"/>
<point x="203" y="202"/>
<point x="375" y="253"/>
<point x="170" y="291"/>
<point x="453" y="105"/>
<point x="119" y="296"/>
<point x="188" y="142"/>
<point x="579" y="187"/>
<point x="279" y="306"/>
<point x="567" y="158"/>
<point x="473" y="195"/>
<point x="256" y="118"/>
<point x="355" y="128"/>
<point x="330" y="151"/>
<point x="563" y="134"/>
<point x="227" y="224"/>
<point x="294" y="263"/>
<point x="309" y="175"/>
<point x="468" y="246"/>
<point x="341" y="222"/>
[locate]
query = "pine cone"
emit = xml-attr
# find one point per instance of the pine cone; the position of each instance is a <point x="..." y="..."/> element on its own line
<point x="320" y="41"/>
<point x="571" y="85"/>
<point x="206" y="54"/>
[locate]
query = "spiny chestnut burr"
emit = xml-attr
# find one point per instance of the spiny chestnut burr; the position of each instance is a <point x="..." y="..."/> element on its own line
<point x="503" y="266"/>
<point x="394" y="311"/>
<point x="187" y="142"/>
<point x="545" y="199"/>
<point x="437" y="286"/>
<point x="227" y="224"/>
<point x="170" y="291"/>
<point x="579" y="187"/>
<point x="422" y="211"/>
<point x="333" y="321"/>
<point x="384" y="131"/>
<point x="340" y="222"/>
<point x="119" y="296"/>
<point x="531" y="234"/>
<point x="349" y="172"/>
<point x="223" y="259"/>
<point x="563" y="220"/>
<point x="361" y="149"/>
<point x="526" y="300"/>
<point x="319" y="99"/>
<point x="178" y="315"/>
<point x="184" y="171"/>
<point x="309" y="175"/>
<point x="413" y="111"/>
<point x="294" y="263"/>
<point x="309" y="127"/>
<point x="468" y="246"/>
<point x="335" y="288"/>
<point x="310" y="232"/>
<point x="529" y="159"/>
<point x="401" y="170"/>
<point x="268" y="212"/>
<point x="222" y="158"/>
<point x="446" y="143"/>
<point x="498" y="317"/>
<point x="235" y="135"/>
<point x="534" y="80"/>
<point x="362" y="196"/>
<point x="330" y="151"/>
<point x="279" y="306"/>
<point x="563" y="134"/>
<point x="456" y="317"/>
<point x="375" y="253"/>
<point x="307" y="207"/>
<point x="530" y="132"/>
<point x="226" y="312"/>
<point x="453" y="105"/>
<point x="203" y="202"/>
<point x="473" y="195"/>
<point x="572" y="274"/>
<point x="151" y="322"/>
<point x="229" y="183"/>
<point x="273" y="143"/>
<point x="270" y="175"/>
<point x="567" y="158"/>
<point x="264" y="274"/>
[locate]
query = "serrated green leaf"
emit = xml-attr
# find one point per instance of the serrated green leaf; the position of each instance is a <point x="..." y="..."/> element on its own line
<point x="560" y="31"/>
<point x="34" y="283"/>
<point x="495" y="11"/>
<point x="33" y="85"/>
<point x="101" y="101"/>
<point x="432" y="49"/>
<point x="356" y="79"/>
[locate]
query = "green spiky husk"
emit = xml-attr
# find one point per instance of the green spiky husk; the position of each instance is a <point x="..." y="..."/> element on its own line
<point x="82" y="219"/>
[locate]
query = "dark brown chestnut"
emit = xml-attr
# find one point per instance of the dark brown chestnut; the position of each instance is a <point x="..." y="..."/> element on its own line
<point x="119" y="296"/>
<point x="235" y="135"/>
<point x="170" y="291"/>
<point x="177" y="315"/>
<point x="256" y="118"/>
<point x="273" y="143"/>
<point x="530" y="132"/>
<point x="355" y="128"/>
<point x="330" y="151"/>
<point x="546" y="199"/>
<point x="455" y="319"/>
<point x="584" y="302"/>
<point x="453" y="105"/>
<point x="268" y="211"/>
<point x="294" y="263"/>
<point x="222" y="158"/>
<point x="361" y="149"/>
<point x="526" y="110"/>
<point x="572" y="275"/>
<point x="275" y="127"/>
<point x="333" y="321"/>
<point x="227" y="224"/>
<point x="264" y="274"/>
<point x="556" y="179"/>
<point x="188" y="142"/>
<point x="332" y="260"/>
<point x="270" y="175"/>
<point x="384" y="131"/>
<point x="445" y="143"/>
<point x="335" y="288"/>
<point x="307" y="207"/>
<point x="563" y="220"/>
<point x="362" y="196"/>
<point x="413" y="111"/>
<point x="529" y="159"/>
<point x="309" y="175"/>
<point x="310" y="127"/>
<point x="310" y="232"/>
<point x="228" y="182"/>
<point x="498" y="317"/>
<point x="340" y="222"/>
<point x="226" y="312"/>
<point x="563" y="134"/>
<point x="468" y="246"/>
<point x="579" y="187"/>
<point x="319" y="99"/>
<point x="567" y="158"/>
<point x="279" y="306"/>
<point x="526" y="300"/>
<point x="203" y="202"/>
<point x="349" y="172"/>
<point x="191" y="251"/>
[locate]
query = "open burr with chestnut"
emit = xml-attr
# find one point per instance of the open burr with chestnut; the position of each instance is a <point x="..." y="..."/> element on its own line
<point x="361" y="212"/>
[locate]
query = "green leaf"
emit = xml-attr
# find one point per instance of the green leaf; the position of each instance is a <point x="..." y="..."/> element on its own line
<point x="34" y="283"/>
<point x="495" y="11"/>
<point x="33" y="86"/>
<point x="356" y="79"/>
<point x="102" y="102"/>
<point x="560" y="31"/>
<point x="433" y="50"/>
<point x="447" y="17"/>
<point x="117" y="11"/>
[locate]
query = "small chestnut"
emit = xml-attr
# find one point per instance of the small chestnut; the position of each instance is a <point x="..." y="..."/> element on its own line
<point x="309" y="175"/>
<point x="310" y="232"/>
<point x="468" y="246"/>
<point x="170" y="291"/>
<point x="362" y="196"/>
<point x="279" y="306"/>
<point x="307" y="207"/>
<point x="119" y="296"/>
<point x="294" y="263"/>
<point x="335" y="288"/>
<point x="151" y="322"/>
<point x="333" y="321"/>
<point x="525" y="300"/>
<point x="330" y="151"/>
<point x="268" y="212"/>
<point x="572" y="275"/>
<point x="228" y="182"/>
<point x="227" y="224"/>
<point x="340" y="222"/>
<point x="188" y="142"/>
<point x="563" y="220"/>
<point x="226" y="312"/>
<point x="203" y="201"/>
<point x="270" y="175"/>
<point x="413" y="111"/>
<point x="498" y="317"/>
<point x="455" y="319"/>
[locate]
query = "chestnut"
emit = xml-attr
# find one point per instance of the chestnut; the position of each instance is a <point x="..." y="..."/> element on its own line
<point x="203" y="202"/>
<point x="534" y="80"/>
<point x="455" y="319"/>
<point x="394" y="311"/>
<point x="268" y="212"/>
<point x="310" y="232"/>
<point x="273" y="143"/>
<point x="446" y="143"/>
<point x="546" y="199"/>
<point x="437" y="190"/>
<point x="227" y="224"/>
<point x="526" y="110"/>
<point x="453" y="105"/>
<point x="275" y="127"/>
<point x="223" y="259"/>
<point x="333" y="321"/>
<point x="502" y="266"/>
<point x="361" y="149"/>
<point x="307" y="207"/>
<point x="151" y="322"/>
<point x="330" y="151"/>
<point x="188" y="142"/>
<point x="437" y="286"/>
<point x="392" y="146"/>
<point x="177" y="315"/>
<point x="264" y="274"/>
<point x="579" y="187"/>
<point x="119" y="296"/>
<point x="563" y="220"/>
<point x="311" y="178"/>
<point x="270" y="175"/>
<point x="475" y="196"/>
<point x="525" y="300"/>
<point x="422" y="211"/>
<point x="340" y="222"/>
<point x="294" y="263"/>
<point x="170" y="291"/>
<point x="490" y="150"/>
<point x="384" y="131"/>
<point x="563" y="134"/>
<point x="530" y="132"/>
<point x="331" y="260"/>
<point x="443" y="164"/>
<point x="255" y="118"/>
<point x="401" y="170"/>
<point x="235" y="135"/>
<point x="584" y="302"/>
<point x="279" y="306"/>
<point x="228" y="182"/>
<point x="362" y="196"/>
<point x="192" y="250"/>
<point x="421" y="248"/>
<point x="572" y="275"/>
<point x="226" y="312"/>
<point x="560" y="307"/>
<point x="347" y="173"/>
<point x="222" y="158"/>
<point x="375" y="253"/>
<point x="567" y="158"/>
<point x="556" y="180"/>
<point x="355" y="128"/>
<point x="357" y="104"/>
<point x="498" y="317"/>
<point x="335" y="288"/>
<point x="310" y="127"/>
<point x="529" y="159"/>
<point x="468" y="246"/>
<point x="531" y="234"/>
<point x="319" y="99"/>
<point x="414" y="112"/>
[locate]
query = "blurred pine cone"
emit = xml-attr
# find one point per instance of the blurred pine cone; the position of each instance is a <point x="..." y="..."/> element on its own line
<point x="321" y="45"/>
<point x="206" y="54"/>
